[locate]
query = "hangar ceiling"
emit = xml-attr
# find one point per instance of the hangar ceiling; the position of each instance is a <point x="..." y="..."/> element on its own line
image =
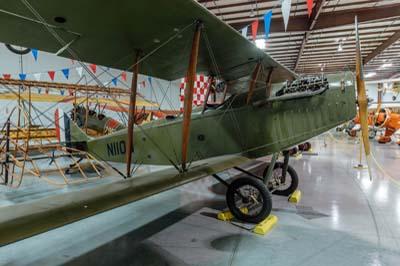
<point x="325" y="41"/>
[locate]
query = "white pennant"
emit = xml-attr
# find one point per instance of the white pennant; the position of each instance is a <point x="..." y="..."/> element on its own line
<point x="79" y="70"/>
<point x="37" y="76"/>
<point x="244" y="31"/>
<point x="286" y="4"/>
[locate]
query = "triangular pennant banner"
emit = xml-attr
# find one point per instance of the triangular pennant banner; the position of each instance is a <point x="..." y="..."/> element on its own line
<point x="47" y="91"/>
<point x="51" y="74"/>
<point x="254" y="29"/>
<point x="22" y="76"/>
<point x="123" y="75"/>
<point x="35" y="54"/>
<point x="244" y="31"/>
<point x="144" y="83"/>
<point x="79" y="70"/>
<point x="37" y="76"/>
<point x="267" y="23"/>
<point x="149" y="78"/>
<point x="71" y="92"/>
<point x="93" y="67"/>
<point x="7" y="76"/>
<point x="62" y="92"/>
<point x="309" y="6"/>
<point x="114" y="81"/>
<point x="286" y="4"/>
<point x="39" y="90"/>
<point x="66" y="73"/>
<point x="73" y="61"/>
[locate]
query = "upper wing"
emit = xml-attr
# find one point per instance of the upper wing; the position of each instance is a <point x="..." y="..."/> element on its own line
<point x="109" y="32"/>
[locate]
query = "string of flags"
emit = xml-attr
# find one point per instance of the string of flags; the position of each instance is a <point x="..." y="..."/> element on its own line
<point x="66" y="73"/>
<point x="285" y="9"/>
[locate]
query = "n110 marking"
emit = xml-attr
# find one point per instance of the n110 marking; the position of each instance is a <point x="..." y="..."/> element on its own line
<point x="116" y="148"/>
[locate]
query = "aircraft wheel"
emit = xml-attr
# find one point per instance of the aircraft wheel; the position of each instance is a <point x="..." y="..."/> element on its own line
<point x="252" y="195"/>
<point x="308" y="146"/>
<point x="371" y="134"/>
<point x="280" y="186"/>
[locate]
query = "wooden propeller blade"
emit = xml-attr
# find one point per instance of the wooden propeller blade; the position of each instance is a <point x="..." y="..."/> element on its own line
<point x="362" y="99"/>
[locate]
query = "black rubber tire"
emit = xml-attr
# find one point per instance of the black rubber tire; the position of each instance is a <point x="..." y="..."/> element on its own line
<point x="371" y="136"/>
<point x="293" y="151"/>
<point x="308" y="146"/>
<point x="16" y="51"/>
<point x="293" y="175"/>
<point x="264" y="193"/>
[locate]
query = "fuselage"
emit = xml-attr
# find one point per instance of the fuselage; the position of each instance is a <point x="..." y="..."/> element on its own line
<point x="256" y="129"/>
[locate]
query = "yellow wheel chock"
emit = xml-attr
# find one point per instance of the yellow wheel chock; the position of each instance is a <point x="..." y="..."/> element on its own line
<point x="295" y="197"/>
<point x="227" y="215"/>
<point x="266" y="225"/>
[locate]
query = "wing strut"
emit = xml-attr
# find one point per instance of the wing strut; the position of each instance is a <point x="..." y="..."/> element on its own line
<point x="269" y="83"/>
<point x="210" y="87"/>
<point x="131" y="120"/>
<point x="253" y="82"/>
<point x="187" y="106"/>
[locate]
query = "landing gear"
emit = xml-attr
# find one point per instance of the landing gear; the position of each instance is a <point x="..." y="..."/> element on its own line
<point x="249" y="200"/>
<point x="304" y="146"/>
<point x="282" y="184"/>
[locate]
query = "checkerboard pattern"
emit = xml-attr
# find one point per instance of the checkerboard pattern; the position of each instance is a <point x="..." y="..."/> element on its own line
<point x="199" y="92"/>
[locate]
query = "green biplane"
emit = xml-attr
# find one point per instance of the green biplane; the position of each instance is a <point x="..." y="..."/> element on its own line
<point x="270" y="108"/>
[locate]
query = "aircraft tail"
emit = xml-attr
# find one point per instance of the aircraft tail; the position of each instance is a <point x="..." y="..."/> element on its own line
<point x="68" y="133"/>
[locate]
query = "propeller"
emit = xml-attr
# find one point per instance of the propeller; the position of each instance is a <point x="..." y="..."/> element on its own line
<point x="362" y="100"/>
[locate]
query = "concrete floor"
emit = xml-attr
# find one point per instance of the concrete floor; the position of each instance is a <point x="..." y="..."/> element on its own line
<point x="342" y="219"/>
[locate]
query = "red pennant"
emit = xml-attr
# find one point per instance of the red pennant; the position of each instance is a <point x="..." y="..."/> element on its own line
<point x="51" y="74"/>
<point x="144" y="84"/>
<point x="73" y="61"/>
<point x="309" y="6"/>
<point x="93" y="67"/>
<point x="71" y="92"/>
<point x="123" y="75"/>
<point x="47" y="91"/>
<point x="254" y="29"/>
<point x="7" y="76"/>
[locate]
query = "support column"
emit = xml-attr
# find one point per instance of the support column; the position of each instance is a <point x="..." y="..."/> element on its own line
<point x="253" y="82"/>
<point x="188" y="102"/>
<point x="131" y="119"/>
<point x="271" y="166"/>
<point x="269" y="84"/>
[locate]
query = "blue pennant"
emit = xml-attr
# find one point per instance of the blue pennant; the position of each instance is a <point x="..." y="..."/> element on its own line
<point x="65" y="72"/>
<point x="22" y="76"/>
<point x="267" y="23"/>
<point x="115" y="81"/>
<point x="35" y="53"/>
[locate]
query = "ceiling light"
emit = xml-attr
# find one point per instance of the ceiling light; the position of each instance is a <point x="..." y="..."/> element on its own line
<point x="260" y="43"/>
<point x="386" y="65"/>
<point x="340" y="48"/>
<point x="370" y="74"/>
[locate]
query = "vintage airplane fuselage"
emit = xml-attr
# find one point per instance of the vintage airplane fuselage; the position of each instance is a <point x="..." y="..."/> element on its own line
<point x="257" y="129"/>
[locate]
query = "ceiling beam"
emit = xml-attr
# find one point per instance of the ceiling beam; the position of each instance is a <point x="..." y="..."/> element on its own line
<point x="394" y="38"/>
<point x="313" y="19"/>
<point x="328" y="19"/>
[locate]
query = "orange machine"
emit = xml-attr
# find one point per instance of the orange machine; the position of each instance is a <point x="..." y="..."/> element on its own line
<point x="390" y="122"/>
